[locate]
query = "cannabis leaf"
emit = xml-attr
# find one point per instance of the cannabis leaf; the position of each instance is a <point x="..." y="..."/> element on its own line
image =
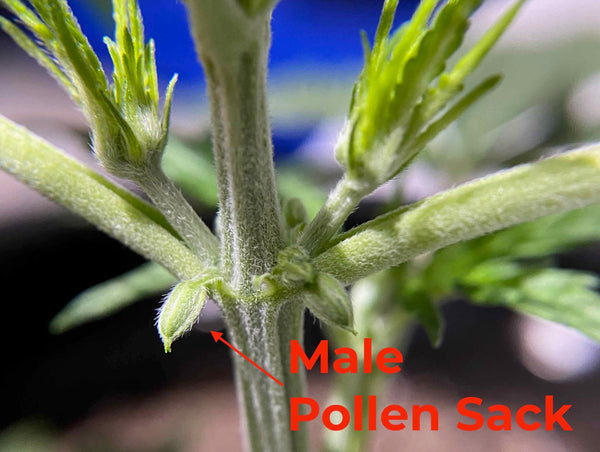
<point x="399" y="99"/>
<point x="127" y="128"/>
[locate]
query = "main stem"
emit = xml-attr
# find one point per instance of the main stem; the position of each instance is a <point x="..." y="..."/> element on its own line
<point x="250" y="217"/>
<point x="262" y="331"/>
<point x="233" y="46"/>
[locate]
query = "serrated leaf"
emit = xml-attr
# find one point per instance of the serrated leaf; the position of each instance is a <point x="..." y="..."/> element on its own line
<point x="567" y="297"/>
<point x="548" y="235"/>
<point x="124" y="117"/>
<point x="451" y="82"/>
<point x="440" y="42"/>
<point x="536" y="241"/>
<point x="34" y="51"/>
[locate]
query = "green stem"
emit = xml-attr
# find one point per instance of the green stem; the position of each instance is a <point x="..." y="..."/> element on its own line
<point x="341" y="202"/>
<point x="262" y="330"/>
<point x="291" y="327"/>
<point x="383" y="320"/>
<point x="345" y="388"/>
<point x="521" y="194"/>
<point x="170" y="201"/>
<point x="121" y="215"/>
<point x="234" y="54"/>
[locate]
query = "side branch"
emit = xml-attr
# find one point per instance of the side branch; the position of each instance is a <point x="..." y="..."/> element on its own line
<point x="521" y="194"/>
<point x="171" y="202"/>
<point x="123" y="216"/>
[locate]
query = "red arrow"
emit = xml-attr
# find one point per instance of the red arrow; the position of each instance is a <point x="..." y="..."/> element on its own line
<point x="219" y="337"/>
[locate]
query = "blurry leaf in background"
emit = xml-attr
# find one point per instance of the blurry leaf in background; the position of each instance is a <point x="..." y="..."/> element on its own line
<point x="538" y="239"/>
<point x="514" y="268"/>
<point x="112" y="296"/>
<point x="426" y="313"/>
<point x="192" y="169"/>
<point x="564" y="296"/>
<point x="28" y="436"/>
<point x="527" y="112"/>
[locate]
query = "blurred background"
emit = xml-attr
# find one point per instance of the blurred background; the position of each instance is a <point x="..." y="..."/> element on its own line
<point x="108" y="386"/>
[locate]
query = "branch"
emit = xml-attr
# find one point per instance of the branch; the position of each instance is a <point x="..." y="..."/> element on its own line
<point x="121" y="215"/>
<point x="521" y="194"/>
<point x="180" y="214"/>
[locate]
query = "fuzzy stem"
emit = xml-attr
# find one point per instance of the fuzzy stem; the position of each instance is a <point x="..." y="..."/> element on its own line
<point x="521" y="194"/>
<point x="233" y="48"/>
<point x="170" y="201"/>
<point x="109" y="207"/>
<point x="262" y="330"/>
<point x="345" y="388"/>
<point x="341" y="202"/>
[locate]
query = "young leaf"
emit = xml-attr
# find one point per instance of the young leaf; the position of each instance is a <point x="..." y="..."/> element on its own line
<point x="403" y="87"/>
<point x="450" y="83"/>
<point x="127" y="130"/>
<point x="394" y="105"/>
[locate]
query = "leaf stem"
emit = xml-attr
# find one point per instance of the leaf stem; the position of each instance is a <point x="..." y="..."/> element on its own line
<point x="342" y="200"/>
<point x="170" y="201"/>
<point x="521" y="194"/>
<point x="121" y="215"/>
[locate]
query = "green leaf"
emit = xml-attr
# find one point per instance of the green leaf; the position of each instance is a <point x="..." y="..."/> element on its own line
<point x="451" y="82"/>
<point x="403" y="87"/>
<point x="438" y="126"/>
<point x="440" y="42"/>
<point x="112" y="296"/>
<point x="547" y="236"/>
<point x="534" y="241"/>
<point x="426" y="312"/>
<point x="564" y="296"/>
<point x="125" y="121"/>
<point x="34" y="51"/>
<point x="192" y="169"/>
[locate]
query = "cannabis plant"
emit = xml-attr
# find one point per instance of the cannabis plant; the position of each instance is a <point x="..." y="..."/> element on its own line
<point x="266" y="260"/>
